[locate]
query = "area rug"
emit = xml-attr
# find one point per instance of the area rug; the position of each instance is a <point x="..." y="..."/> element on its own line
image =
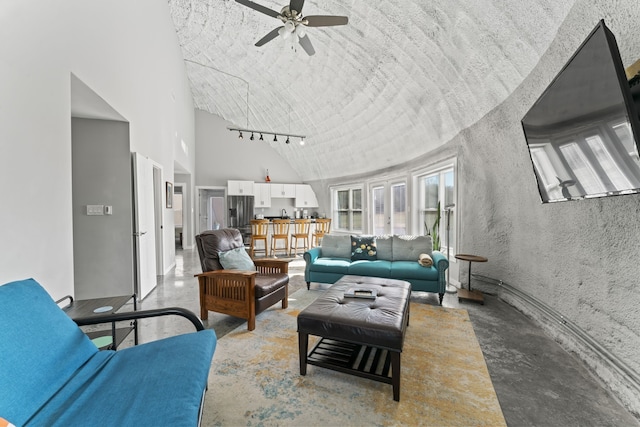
<point x="255" y="377"/>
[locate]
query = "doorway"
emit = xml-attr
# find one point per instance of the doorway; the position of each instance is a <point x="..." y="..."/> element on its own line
<point x="389" y="207"/>
<point x="212" y="208"/>
<point x="178" y="214"/>
<point x="158" y="189"/>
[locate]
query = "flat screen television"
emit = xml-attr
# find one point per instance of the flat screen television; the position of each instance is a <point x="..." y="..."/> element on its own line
<point x="582" y="133"/>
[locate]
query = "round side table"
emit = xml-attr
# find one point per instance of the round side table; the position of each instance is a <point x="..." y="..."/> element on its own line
<point x="468" y="294"/>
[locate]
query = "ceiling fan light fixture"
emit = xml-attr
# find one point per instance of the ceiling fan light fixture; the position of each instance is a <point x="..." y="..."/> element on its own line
<point x="290" y="26"/>
<point x="284" y="33"/>
<point x="300" y="31"/>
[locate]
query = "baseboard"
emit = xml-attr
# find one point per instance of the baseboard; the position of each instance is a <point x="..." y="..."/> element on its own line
<point x="622" y="380"/>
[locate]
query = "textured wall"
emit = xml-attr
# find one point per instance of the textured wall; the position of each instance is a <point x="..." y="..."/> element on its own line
<point x="580" y="258"/>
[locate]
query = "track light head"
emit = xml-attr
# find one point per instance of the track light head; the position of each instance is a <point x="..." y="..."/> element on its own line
<point x="275" y="138"/>
<point x="261" y="138"/>
<point x="301" y="141"/>
<point x="252" y="138"/>
<point x="287" y="141"/>
<point x="240" y="134"/>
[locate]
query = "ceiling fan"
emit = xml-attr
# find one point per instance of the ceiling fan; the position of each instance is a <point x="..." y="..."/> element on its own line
<point x="294" y="23"/>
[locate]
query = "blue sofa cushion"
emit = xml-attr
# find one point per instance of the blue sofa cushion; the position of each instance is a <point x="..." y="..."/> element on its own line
<point x="36" y="337"/>
<point x="413" y="270"/>
<point x="331" y="265"/>
<point x="377" y="268"/>
<point x="52" y="374"/>
<point x="154" y="384"/>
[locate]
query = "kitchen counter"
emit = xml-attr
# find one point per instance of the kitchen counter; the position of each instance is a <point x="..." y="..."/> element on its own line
<point x="270" y="218"/>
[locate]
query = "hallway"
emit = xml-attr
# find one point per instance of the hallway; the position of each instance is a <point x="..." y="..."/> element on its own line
<point x="537" y="382"/>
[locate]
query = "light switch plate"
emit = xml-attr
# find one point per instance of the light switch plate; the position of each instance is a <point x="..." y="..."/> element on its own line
<point x="95" y="210"/>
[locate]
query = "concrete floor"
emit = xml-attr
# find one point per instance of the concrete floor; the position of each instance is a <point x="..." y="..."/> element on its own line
<point x="537" y="382"/>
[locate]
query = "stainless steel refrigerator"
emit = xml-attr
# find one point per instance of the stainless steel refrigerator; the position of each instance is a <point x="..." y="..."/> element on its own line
<point x="239" y="215"/>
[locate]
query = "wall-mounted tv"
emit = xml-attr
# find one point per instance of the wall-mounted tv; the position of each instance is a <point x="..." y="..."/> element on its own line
<point x="582" y="133"/>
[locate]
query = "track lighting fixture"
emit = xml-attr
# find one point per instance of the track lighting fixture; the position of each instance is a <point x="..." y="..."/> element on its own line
<point x="262" y="133"/>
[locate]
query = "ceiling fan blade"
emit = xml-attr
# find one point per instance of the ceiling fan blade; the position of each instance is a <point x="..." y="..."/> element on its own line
<point x="325" y="20"/>
<point x="272" y="35"/>
<point x="306" y="45"/>
<point x="296" y="5"/>
<point x="259" y="8"/>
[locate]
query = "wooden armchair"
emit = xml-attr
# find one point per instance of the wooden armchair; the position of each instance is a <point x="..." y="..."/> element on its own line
<point x="239" y="293"/>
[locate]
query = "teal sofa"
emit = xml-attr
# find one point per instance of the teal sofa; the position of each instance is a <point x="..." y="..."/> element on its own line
<point x="51" y="374"/>
<point x="396" y="258"/>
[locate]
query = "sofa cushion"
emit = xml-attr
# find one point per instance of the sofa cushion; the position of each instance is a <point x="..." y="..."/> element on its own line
<point x="413" y="270"/>
<point x="155" y="384"/>
<point x="409" y="248"/>
<point x="331" y="265"/>
<point x="236" y="259"/>
<point x="336" y="246"/>
<point x="363" y="248"/>
<point x="376" y="268"/>
<point x="384" y="245"/>
<point x="35" y="336"/>
<point x="268" y="283"/>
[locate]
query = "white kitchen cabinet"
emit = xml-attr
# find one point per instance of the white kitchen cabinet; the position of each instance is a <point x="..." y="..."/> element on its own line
<point x="262" y="195"/>
<point x="305" y="196"/>
<point x="285" y="191"/>
<point x="240" y="188"/>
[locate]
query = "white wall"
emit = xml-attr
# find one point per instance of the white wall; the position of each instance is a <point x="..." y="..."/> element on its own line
<point x="222" y="156"/>
<point x="127" y="53"/>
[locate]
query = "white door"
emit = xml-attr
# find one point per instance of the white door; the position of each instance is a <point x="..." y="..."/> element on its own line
<point x="389" y="208"/>
<point x="144" y="225"/>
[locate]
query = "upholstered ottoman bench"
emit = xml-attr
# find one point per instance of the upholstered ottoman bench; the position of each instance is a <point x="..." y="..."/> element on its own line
<point x="359" y="336"/>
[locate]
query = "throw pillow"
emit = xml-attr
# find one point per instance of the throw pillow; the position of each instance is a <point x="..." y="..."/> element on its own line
<point x="409" y="248"/>
<point x="363" y="248"/>
<point x="336" y="246"/>
<point x="236" y="259"/>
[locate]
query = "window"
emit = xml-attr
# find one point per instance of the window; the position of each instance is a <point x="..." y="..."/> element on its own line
<point x="347" y="203"/>
<point x="436" y="202"/>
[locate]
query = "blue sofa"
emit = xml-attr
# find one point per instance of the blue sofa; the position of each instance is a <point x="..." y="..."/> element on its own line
<point x="51" y="374"/>
<point x="396" y="258"/>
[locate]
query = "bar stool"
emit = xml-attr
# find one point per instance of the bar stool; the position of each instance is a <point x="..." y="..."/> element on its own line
<point x="280" y="232"/>
<point x="300" y="231"/>
<point x="323" y="226"/>
<point x="259" y="229"/>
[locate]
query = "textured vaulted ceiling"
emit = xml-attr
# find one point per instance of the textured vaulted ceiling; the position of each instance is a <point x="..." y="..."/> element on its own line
<point x="402" y="78"/>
